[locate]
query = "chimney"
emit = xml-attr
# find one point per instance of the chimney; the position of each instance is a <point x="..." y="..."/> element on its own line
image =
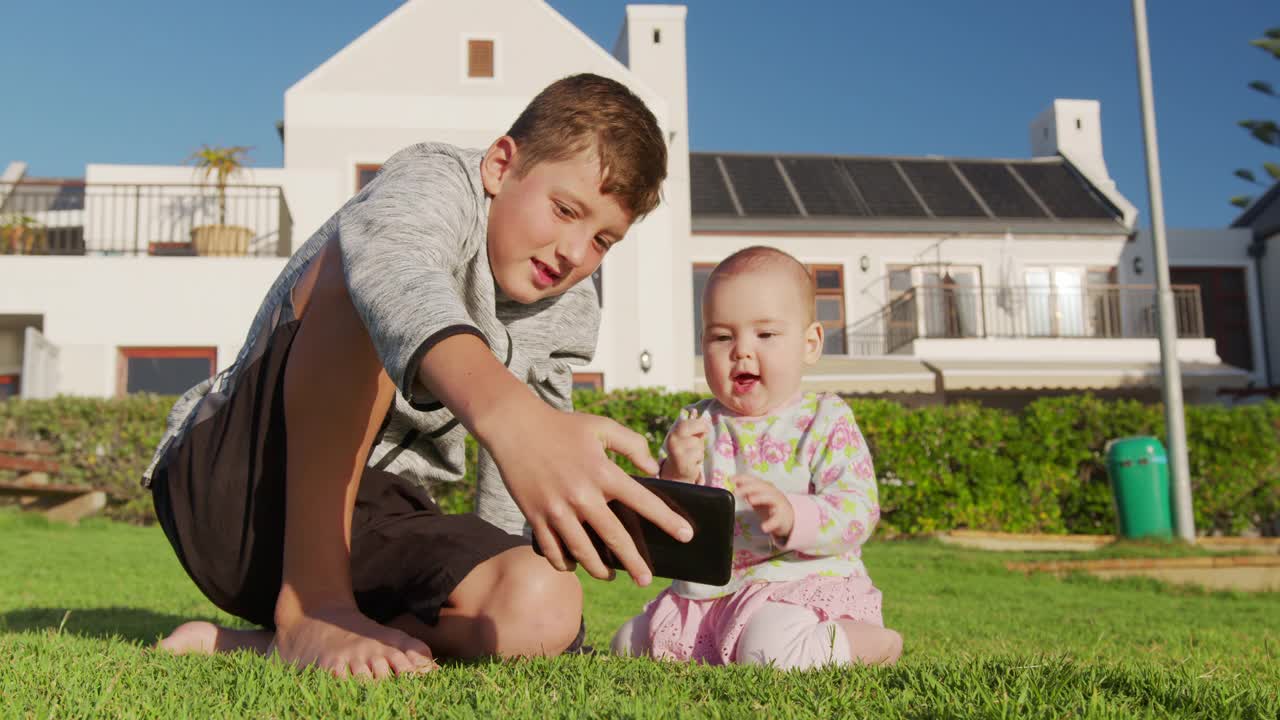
<point x="1073" y="129"/>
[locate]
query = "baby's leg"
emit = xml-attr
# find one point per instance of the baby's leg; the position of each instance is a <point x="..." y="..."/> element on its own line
<point x="632" y="639"/>
<point x="791" y="637"/>
<point x="872" y="644"/>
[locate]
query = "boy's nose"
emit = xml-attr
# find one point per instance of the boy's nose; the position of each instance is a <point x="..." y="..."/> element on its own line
<point x="572" y="249"/>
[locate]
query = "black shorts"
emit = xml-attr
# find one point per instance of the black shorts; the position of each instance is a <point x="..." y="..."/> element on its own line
<point x="220" y="496"/>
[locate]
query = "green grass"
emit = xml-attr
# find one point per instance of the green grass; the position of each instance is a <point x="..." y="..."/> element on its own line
<point x="79" y="605"/>
<point x="1134" y="550"/>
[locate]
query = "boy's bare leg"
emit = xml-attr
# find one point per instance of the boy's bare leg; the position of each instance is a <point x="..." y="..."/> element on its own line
<point x="336" y="394"/>
<point x="515" y="603"/>
<point x="205" y="638"/>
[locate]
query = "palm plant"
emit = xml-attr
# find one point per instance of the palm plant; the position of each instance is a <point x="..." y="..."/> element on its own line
<point x="220" y="163"/>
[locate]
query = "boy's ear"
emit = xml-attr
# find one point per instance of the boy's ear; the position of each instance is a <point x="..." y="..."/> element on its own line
<point x="499" y="162"/>
<point x="813" y="337"/>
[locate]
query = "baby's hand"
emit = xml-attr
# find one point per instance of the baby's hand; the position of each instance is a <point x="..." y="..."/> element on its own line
<point x="686" y="447"/>
<point x="771" y="506"/>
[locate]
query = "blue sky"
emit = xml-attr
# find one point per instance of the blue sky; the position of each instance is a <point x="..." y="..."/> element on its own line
<point x="147" y="81"/>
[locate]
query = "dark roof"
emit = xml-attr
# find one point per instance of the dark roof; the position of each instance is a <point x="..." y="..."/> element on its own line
<point x="1257" y="207"/>
<point x="737" y="191"/>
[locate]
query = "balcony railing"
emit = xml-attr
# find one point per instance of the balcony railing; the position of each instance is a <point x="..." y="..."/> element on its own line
<point x="1110" y="311"/>
<point x="75" y="218"/>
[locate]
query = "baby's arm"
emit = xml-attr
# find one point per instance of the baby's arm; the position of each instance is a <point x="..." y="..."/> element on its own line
<point x="843" y="507"/>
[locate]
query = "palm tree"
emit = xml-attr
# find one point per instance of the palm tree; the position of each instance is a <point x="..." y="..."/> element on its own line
<point x="221" y="163"/>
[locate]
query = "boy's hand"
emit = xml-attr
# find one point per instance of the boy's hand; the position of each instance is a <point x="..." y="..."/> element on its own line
<point x="686" y="447"/>
<point x="771" y="506"/>
<point x="554" y="464"/>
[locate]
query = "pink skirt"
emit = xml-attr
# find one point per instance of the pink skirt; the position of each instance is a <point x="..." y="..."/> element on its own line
<point x="708" y="630"/>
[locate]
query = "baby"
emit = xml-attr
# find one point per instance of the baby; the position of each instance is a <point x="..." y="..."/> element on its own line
<point x="806" y="493"/>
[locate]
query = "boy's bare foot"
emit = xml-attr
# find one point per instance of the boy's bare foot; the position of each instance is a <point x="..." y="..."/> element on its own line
<point x="346" y="643"/>
<point x="205" y="638"/>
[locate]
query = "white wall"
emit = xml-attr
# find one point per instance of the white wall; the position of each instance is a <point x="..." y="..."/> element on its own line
<point x="91" y="306"/>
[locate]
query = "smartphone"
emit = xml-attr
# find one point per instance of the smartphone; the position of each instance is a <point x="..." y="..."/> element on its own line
<point x="707" y="558"/>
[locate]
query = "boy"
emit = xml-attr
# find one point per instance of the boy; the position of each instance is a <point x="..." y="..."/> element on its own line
<point x="291" y="485"/>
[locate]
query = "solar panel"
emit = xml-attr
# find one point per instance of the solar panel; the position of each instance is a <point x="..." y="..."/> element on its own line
<point x="823" y="187"/>
<point x="882" y="188"/>
<point x="1000" y="190"/>
<point x="759" y="186"/>
<point x="707" y="191"/>
<point x="1067" y="195"/>
<point x="941" y="189"/>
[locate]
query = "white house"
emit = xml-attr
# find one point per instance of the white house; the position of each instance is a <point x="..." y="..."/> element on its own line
<point x="939" y="278"/>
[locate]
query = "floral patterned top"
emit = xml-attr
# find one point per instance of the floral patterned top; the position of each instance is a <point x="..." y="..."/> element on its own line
<point x="812" y="450"/>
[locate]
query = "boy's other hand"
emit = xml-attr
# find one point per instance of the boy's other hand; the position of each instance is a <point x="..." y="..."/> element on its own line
<point x="686" y="447"/>
<point x="772" y="506"/>
<point x="556" y="467"/>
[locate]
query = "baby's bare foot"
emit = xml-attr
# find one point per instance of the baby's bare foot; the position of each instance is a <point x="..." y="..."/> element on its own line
<point x="205" y="638"/>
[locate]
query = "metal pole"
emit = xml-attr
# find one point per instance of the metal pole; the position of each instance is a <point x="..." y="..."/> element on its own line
<point x="1172" y="377"/>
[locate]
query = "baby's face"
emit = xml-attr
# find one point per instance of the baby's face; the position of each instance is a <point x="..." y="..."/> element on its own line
<point x="550" y="228"/>
<point x="757" y="340"/>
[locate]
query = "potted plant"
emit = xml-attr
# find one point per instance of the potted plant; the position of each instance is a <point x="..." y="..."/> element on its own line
<point x="21" y="235"/>
<point x="220" y="164"/>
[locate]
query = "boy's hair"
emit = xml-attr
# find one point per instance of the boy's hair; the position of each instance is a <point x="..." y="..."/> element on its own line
<point x="586" y="112"/>
<point x="764" y="258"/>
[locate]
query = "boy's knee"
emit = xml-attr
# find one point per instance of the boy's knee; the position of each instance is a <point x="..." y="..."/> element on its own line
<point x="544" y="603"/>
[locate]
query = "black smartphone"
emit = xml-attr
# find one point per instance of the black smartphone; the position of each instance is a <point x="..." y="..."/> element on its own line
<point x="707" y="558"/>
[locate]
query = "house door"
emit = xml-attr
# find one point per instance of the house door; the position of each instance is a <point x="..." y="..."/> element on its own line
<point x="1056" y="302"/>
<point x="1224" y="300"/>
<point x="950" y="301"/>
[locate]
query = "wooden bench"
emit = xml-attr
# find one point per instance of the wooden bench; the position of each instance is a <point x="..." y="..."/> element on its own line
<point x="32" y="462"/>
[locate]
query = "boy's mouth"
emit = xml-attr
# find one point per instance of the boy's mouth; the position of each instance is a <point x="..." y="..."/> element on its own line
<point x="543" y="275"/>
<point x="744" y="382"/>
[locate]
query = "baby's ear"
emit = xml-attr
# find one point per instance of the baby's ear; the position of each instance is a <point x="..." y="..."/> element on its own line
<point x="813" y="342"/>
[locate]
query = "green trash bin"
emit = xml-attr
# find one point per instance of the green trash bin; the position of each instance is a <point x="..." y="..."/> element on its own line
<point x="1139" y="470"/>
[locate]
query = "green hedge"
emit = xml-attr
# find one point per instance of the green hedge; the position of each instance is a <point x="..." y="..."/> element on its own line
<point x="958" y="466"/>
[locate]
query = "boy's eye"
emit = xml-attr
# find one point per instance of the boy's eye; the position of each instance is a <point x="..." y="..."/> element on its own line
<point x="720" y="338"/>
<point x="602" y="243"/>
<point x="563" y="211"/>
<point x="766" y="334"/>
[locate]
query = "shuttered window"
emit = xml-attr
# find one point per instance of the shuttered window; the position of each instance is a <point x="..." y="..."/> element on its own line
<point x="480" y="58"/>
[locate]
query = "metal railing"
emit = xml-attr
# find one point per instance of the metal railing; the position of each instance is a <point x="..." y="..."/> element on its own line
<point x="75" y="218"/>
<point x="1109" y="311"/>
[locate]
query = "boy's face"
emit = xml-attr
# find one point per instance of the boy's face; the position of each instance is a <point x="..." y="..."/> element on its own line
<point x="549" y="229"/>
<point x="756" y="340"/>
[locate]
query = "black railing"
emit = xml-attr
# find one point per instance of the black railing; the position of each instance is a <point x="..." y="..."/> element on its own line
<point x="1111" y="311"/>
<point x="75" y="218"/>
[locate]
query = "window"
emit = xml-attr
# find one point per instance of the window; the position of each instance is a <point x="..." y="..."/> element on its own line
<point x="657" y="36"/>
<point x="480" y="59"/>
<point x="365" y="173"/>
<point x="9" y="386"/>
<point x="701" y="271"/>
<point x="163" y="370"/>
<point x="828" y="283"/>
<point x="588" y="381"/>
<point x="948" y="300"/>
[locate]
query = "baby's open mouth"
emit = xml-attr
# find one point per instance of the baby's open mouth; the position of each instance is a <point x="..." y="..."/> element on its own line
<point x="743" y="382"/>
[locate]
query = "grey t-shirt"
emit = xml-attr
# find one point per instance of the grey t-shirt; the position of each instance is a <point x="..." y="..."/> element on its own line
<point x="414" y="254"/>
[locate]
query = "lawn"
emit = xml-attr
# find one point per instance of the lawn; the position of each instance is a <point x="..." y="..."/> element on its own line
<point x="78" y="606"/>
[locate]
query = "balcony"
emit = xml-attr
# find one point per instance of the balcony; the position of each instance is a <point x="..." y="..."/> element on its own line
<point x="958" y="312"/>
<point x="104" y="219"/>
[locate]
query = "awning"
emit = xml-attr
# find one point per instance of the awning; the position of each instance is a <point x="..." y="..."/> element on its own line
<point x="859" y="376"/>
<point x="1078" y="375"/>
